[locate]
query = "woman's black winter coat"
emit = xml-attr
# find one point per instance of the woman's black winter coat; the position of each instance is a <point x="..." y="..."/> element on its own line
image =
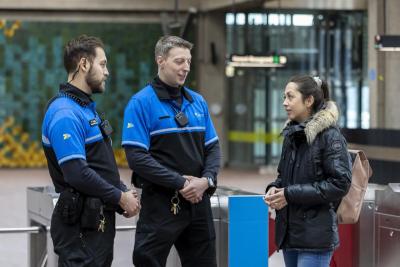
<point x="315" y="170"/>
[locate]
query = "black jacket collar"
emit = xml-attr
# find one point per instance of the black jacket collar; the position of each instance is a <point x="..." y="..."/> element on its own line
<point x="76" y="94"/>
<point x="164" y="91"/>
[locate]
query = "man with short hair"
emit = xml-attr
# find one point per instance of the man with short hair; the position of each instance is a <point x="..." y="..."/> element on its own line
<point x="77" y="145"/>
<point x="172" y="147"/>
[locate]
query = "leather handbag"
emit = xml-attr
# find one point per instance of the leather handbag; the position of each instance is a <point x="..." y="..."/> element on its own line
<point x="350" y="207"/>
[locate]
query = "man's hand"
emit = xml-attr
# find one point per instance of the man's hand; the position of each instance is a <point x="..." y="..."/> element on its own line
<point x="130" y="203"/>
<point x="275" y="198"/>
<point x="193" y="190"/>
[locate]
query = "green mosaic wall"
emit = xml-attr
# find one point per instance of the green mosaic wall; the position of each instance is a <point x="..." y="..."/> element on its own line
<point x="31" y="69"/>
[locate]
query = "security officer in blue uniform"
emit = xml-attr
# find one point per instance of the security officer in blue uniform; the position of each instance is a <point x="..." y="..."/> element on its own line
<point x="172" y="147"/>
<point x="77" y="145"/>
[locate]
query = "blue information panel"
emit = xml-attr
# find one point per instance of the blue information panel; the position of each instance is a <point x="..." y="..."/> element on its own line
<point x="248" y="231"/>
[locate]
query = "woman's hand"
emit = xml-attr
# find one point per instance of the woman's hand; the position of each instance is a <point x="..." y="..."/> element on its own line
<point x="275" y="198"/>
<point x="270" y="192"/>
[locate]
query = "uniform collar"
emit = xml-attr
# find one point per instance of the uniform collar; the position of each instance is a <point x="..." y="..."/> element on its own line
<point x="163" y="90"/>
<point x="81" y="97"/>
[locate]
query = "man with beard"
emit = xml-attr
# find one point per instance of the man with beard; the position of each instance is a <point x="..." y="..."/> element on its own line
<point x="81" y="163"/>
<point x="172" y="147"/>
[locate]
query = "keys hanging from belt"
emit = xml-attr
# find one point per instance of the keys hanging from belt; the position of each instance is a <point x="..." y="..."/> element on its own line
<point x="102" y="223"/>
<point x="175" y="204"/>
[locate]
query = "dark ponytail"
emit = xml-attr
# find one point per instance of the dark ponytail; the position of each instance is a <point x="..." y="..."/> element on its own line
<point x="325" y="90"/>
<point x="312" y="86"/>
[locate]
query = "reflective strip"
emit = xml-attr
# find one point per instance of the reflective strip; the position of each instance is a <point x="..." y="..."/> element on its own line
<point x="255" y="137"/>
<point x="185" y="129"/>
<point x="133" y="143"/>
<point x="75" y="156"/>
<point x="211" y="141"/>
<point x="45" y="140"/>
<point x="93" y="137"/>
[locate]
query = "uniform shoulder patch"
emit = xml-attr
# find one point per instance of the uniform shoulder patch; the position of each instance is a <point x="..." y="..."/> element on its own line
<point x="66" y="136"/>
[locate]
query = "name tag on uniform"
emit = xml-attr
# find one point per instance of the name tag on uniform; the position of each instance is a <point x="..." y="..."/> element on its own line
<point x="93" y="122"/>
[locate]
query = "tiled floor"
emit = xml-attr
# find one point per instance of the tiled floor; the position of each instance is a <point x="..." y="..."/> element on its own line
<point x="13" y="184"/>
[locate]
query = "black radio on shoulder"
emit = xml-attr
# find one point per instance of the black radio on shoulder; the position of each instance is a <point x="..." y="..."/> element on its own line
<point x="181" y="119"/>
<point x="106" y="128"/>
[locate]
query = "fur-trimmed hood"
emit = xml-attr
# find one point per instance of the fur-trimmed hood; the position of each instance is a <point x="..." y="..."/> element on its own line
<point x="323" y="119"/>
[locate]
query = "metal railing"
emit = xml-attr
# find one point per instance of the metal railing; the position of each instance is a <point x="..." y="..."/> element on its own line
<point x="40" y="229"/>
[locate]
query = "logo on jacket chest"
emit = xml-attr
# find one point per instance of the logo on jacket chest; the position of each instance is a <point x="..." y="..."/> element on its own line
<point x="198" y="115"/>
<point x="93" y="122"/>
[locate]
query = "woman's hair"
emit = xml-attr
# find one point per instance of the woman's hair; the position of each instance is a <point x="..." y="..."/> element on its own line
<point x="312" y="86"/>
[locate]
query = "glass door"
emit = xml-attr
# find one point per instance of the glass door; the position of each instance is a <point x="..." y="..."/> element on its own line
<point x="325" y="44"/>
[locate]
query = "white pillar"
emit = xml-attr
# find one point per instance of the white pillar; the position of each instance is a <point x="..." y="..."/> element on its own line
<point x="210" y="49"/>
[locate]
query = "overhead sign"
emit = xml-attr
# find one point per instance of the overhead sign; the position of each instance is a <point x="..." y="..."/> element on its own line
<point x="387" y="42"/>
<point x="251" y="61"/>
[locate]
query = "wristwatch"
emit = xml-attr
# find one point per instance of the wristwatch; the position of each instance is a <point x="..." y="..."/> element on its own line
<point x="211" y="183"/>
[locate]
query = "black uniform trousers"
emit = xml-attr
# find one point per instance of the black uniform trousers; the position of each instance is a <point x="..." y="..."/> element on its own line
<point x="191" y="231"/>
<point x="83" y="248"/>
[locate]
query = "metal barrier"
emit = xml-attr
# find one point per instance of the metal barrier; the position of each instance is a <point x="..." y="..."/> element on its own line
<point x="41" y="202"/>
<point x="364" y="229"/>
<point x="219" y="206"/>
<point x="387" y="226"/>
<point x="40" y="205"/>
<point x="248" y="231"/>
<point x="29" y="230"/>
<point x="39" y="229"/>
<point x="44" y="231"/>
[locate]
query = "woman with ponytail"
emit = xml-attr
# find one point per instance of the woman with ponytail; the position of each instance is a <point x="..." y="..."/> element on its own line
<point x="314" y="173"/>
